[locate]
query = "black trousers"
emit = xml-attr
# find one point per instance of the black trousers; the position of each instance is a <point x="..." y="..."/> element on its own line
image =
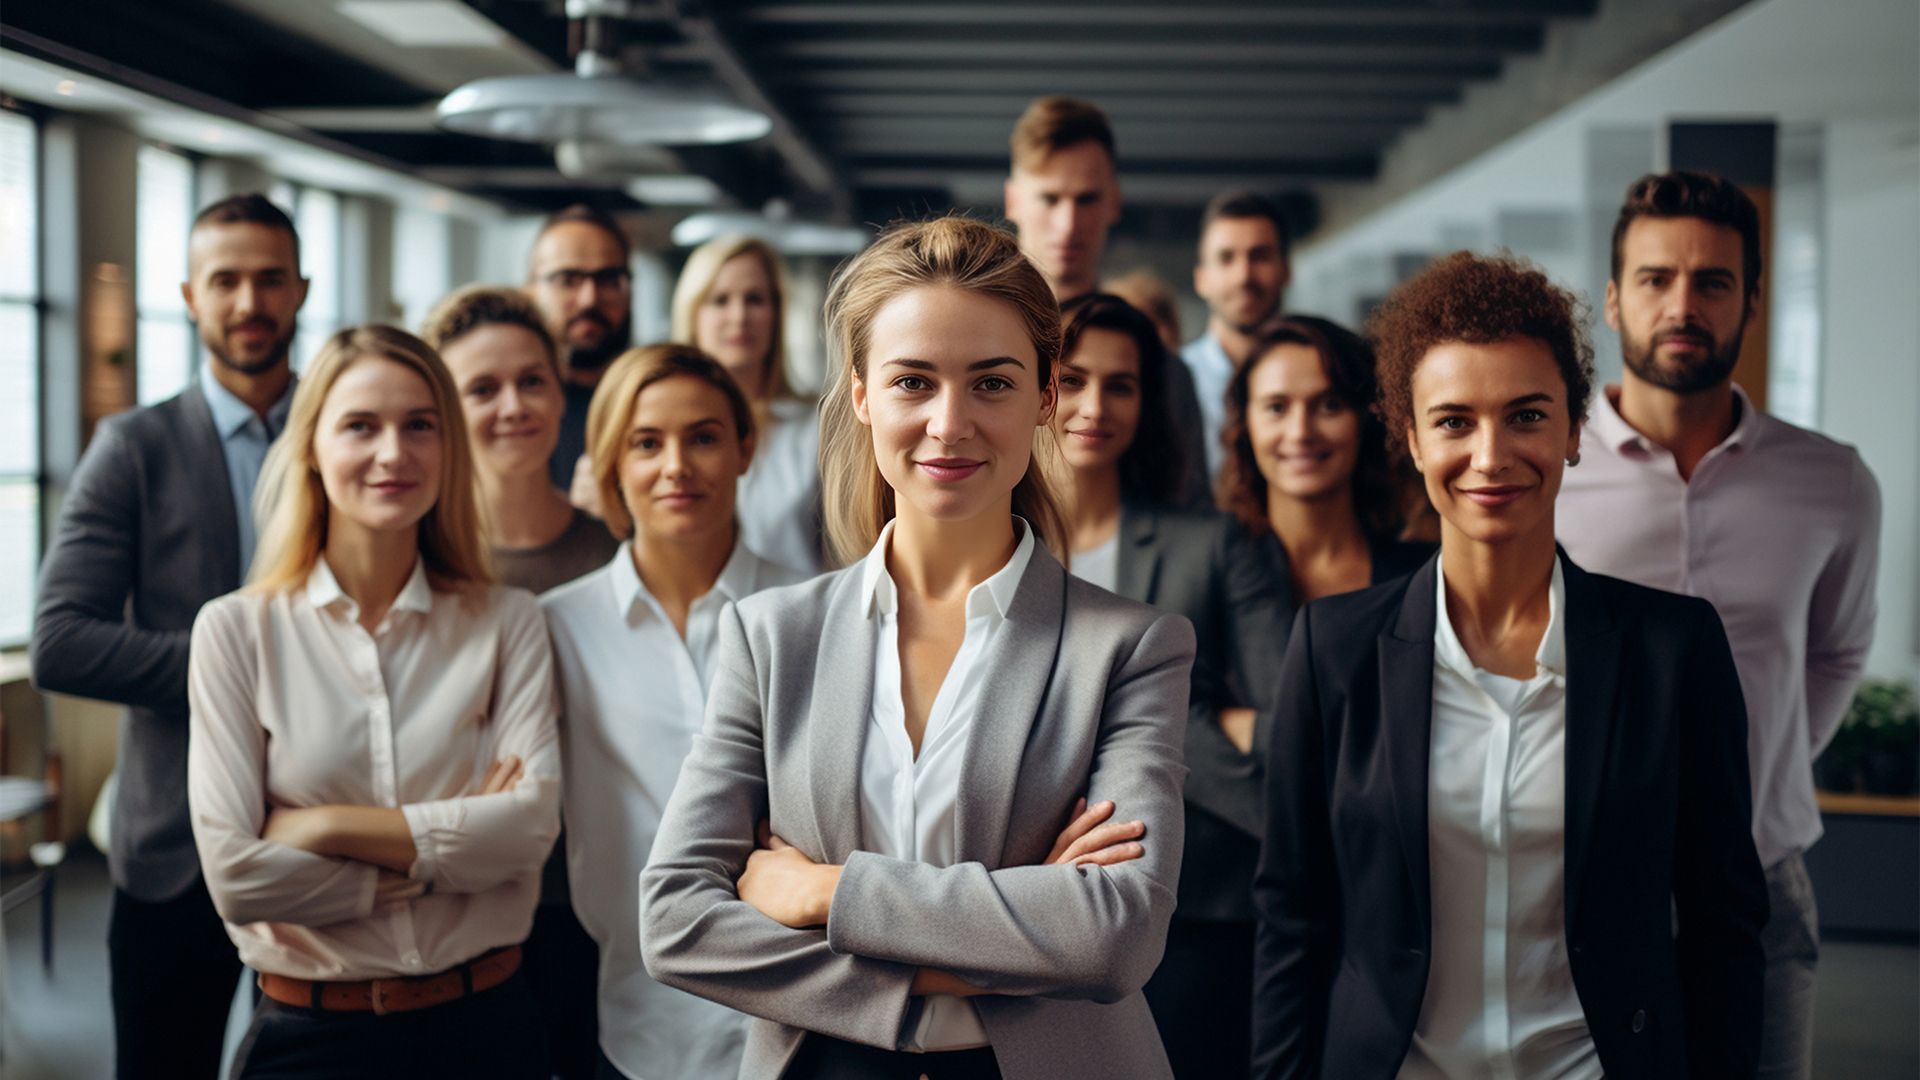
<point x="173" y="972"/>
<point x="1202" y="998"/>
<point x="823" y="1057"/>
<point x="562" y="967"/>
<point x="494" y="1034"/>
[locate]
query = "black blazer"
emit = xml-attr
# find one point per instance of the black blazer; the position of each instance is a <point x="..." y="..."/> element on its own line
<point x="147" y="534"/>
<point x="1201" y="564"/>
<point x="1658" y="835"/>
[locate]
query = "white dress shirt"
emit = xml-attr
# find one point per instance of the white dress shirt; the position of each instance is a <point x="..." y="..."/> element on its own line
<point x="295" y="704"/>
<point x="1212" y="369"/>
<point x="907" y="803"/>
<point x="1100" y="564"/>
<point x="1780" y="529"/>
<point x="1500" y="1002"/>
<point x="632" y="698"/>
<point x="779" y="495"/>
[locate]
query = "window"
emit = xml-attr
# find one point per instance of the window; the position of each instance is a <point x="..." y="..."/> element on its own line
<point x="163" y="215"/>
<point x="316" y="216"/>
<point x="19" y="373"/>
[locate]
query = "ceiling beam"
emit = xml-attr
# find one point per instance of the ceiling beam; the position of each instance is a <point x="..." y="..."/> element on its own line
<point x="1268" y="16"/>
<point x="806" y="160"/>
<point x="1040" y="79"/>
<point x="984" y="54"/>
<point x="1122" y="109"/>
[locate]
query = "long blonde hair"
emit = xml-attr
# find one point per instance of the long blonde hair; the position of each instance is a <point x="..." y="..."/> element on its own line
<point x="696" y="281"/>
<point x="949" y="252"/>
<point x="292" y="504"/>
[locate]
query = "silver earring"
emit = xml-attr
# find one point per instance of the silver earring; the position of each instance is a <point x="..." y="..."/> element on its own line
<point x="1575" y="459"/>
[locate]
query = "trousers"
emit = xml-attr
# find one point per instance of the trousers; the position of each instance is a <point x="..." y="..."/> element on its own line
<point x="173" y="971"/>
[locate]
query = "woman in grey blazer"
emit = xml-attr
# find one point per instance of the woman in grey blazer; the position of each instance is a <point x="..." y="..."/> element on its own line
<point x="866" y="848"/>
<point x="1130" y="534"/>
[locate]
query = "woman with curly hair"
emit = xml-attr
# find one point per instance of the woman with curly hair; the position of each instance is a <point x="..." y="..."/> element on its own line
<point x="1307" y="466"/>
<point x="1507" y="800"/>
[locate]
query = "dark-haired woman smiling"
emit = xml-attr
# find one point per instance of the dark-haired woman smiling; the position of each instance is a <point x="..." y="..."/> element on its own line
<point x="1507" y="799"/>
<point x="1125" y="467"/>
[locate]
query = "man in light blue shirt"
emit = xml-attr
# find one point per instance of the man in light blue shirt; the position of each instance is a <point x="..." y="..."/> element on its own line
<point x="245" y="436"/>
<point x="1242" y="273"/>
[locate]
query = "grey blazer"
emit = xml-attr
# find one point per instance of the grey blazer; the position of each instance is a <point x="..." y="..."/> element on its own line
<point x="147" y="534"/>
<point x="1089" y="698"/>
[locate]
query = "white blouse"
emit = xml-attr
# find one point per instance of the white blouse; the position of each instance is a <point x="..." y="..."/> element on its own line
<point x="633" y="695"/>
<point x="295" y="704"/>
<point x="779" y="496"/>
<point x="908" y="803"/>
<point x="1100" y="564"/>
<point x="1500" y="1001"/>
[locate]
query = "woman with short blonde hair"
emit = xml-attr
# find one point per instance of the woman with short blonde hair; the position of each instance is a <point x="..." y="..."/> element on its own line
<point x="372" y="769"/>
<point x="730" y="303"/>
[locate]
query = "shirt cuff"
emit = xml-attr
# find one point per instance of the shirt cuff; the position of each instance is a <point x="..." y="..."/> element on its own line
<point x="426" y="857"/>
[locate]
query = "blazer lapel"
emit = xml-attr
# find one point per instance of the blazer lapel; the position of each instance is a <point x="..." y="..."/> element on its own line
<point x="838" y="717"/>
<point x="1406" y="723"/>
<point x="1137" y="560"/>
<point x="1593" y="673"/>
<point x="216" y="510"/>
<point x="1021" y="660"/>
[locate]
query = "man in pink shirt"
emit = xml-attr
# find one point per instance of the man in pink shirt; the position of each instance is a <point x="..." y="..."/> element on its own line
<point x="1683" y="485"/>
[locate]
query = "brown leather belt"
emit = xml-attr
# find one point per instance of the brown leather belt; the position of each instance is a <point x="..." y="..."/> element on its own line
<point x="385" y="996"/>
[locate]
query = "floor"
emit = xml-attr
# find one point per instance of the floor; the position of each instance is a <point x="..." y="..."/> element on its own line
<point x="1866" y="1024"/>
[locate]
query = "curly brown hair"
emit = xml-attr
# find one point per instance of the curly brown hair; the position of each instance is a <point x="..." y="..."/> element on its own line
<point x="1477" y="300"/>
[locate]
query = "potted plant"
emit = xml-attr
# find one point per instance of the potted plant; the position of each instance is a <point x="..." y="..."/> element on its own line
<point x="1877" y="748"/>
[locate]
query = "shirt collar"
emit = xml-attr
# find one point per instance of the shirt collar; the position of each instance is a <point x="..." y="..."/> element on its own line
<point x="1613" y="431"/>
<point x="231" y="415"/>
<point x="630" y="596"/>
<point x="324" y="591"/>
<point x="992" y="596"/>
<point x="1549" y="659"/>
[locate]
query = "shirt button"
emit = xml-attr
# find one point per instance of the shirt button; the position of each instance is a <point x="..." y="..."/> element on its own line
<point x="1639" y="1020"/>
<point x="413" y="959"/>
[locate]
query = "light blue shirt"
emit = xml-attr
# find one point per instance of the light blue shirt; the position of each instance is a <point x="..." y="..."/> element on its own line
<point x="1212" y="370"/>
<point x="244" y="439"/>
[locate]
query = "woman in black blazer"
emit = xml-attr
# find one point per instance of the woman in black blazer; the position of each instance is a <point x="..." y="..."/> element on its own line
<point x="1507" y="800"/>
<point x="1307" y="470"/>
<point x="1130" y="534"/>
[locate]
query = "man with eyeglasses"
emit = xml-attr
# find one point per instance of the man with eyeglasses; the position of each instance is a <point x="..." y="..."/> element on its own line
<point x="579" y="277"/>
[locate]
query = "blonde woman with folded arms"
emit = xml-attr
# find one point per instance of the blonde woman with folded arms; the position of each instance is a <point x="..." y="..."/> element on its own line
<point x="372" y="768"/>
<point x="877" y="845"/>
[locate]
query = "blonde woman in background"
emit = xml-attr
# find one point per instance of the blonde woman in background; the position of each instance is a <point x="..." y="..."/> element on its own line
<point x="730" y="303"/>
<point x="669" y="434"/>
<point x="865" y="847"/>
<point x="372" y="768"/>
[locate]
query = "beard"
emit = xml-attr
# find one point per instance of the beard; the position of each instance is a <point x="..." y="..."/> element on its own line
<point x="275" y="355"/>
<point x="597" y="356"/>
<point x="1682" y="377"/>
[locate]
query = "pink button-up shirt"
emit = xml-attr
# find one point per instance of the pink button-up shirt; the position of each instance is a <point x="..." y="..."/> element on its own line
<point x="295" y="704"/>
<point x="1779" y="528"/>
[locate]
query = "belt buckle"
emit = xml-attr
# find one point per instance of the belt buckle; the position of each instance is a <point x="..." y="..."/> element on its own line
<point x="377" y="989"/>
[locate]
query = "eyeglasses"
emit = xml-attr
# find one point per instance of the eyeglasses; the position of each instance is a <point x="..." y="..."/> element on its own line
<point x="613" y="277"/>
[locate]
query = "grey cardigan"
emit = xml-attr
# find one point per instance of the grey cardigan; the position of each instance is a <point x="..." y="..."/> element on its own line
<point x="1089" y="698"/>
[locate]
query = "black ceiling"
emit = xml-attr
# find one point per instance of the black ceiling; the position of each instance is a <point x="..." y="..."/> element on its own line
<point x="899" y="107"/>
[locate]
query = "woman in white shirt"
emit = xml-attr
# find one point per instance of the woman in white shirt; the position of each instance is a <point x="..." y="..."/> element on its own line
<point x="1125" y="465"/>
<point x="669" y="434"/>
<point x="372" y="771"/>
<point x="874" y="846"/>
<point x="1508" y="815"/>
<point x="730" y="303"/>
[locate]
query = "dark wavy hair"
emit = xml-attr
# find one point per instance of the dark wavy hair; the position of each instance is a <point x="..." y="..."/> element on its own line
<point x="1694" y="195"/>
<point x="1477" y="300"/>
<point x="1155" y="463"/>
<point x="1348" y="362"/>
